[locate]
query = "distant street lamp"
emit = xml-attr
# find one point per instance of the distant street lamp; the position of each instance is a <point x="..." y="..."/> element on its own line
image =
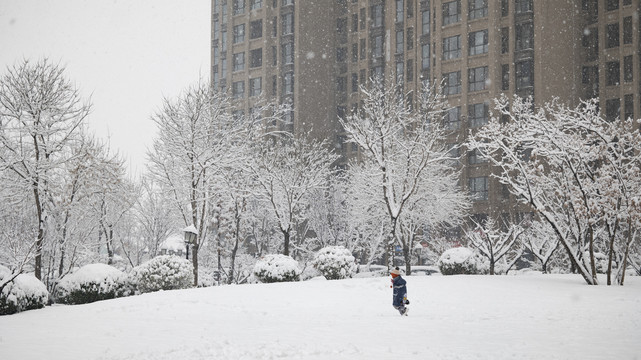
<point x="190" y="238"/>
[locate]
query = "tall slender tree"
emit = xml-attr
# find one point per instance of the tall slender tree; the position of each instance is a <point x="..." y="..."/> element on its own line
<point x="41" y="113"/>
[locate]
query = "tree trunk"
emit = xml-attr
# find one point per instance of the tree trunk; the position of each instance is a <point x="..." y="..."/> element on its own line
<point x="41" y="233"/>
<point x="194" y="259"/>
<point x="286" y="245"/>
<point x="407" y="256"/>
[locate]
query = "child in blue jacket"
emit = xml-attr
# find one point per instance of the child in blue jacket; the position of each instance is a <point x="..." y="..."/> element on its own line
<point x="400" y="292"/>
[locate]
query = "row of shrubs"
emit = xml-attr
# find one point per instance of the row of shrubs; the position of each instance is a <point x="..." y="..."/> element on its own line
<point x="96" y="282"/>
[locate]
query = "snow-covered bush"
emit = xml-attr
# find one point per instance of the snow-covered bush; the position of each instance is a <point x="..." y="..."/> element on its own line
<point x="277" y="268"/>
<point x="25" y="292"/>
<point x="165" y="272"/>
<point x="335" y="262"/>
<point x="93" y="282"/>
<point x="455" y="261"/>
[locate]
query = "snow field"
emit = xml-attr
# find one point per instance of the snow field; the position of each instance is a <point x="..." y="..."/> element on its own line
<point x="452" y="317"/>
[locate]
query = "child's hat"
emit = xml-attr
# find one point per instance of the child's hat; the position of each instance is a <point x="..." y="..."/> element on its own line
<point x="395" y="272"/>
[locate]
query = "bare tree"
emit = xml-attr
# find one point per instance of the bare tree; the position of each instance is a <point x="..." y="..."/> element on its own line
<point x="196" y="132"/>
<point x="492" y="242"/>
<point x="407" y="151"/>
<point x="41" y="113"/>
<point x="288" y="170"/>
<point x="571" y="166"/>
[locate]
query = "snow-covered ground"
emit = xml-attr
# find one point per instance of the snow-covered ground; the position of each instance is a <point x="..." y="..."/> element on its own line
<point x="452" y="317"/>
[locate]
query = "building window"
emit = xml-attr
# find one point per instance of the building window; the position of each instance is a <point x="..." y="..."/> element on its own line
<point x="377" y="15"/>
<point x="363" y="18"/>
<point x="341" y="84"/>
<point x="255" y="86"/>
<point x="628" y="69"/>
<point x="239" y="7"/>
<point x="524" y="74"/>
<point x="425" y="59"/>
<point x="256" y="29"/>
<point x="275" y="26"/>
<point x="238" y="89"/>
<point x="410" y="70"/>
<point x="477" y="42"/>
<point x="274" y="56"/>
<point x="341" y="54"/>
<point x="451" y="12"/>
<point x="612" y="109"/>
<point x="590" y="42"/>
<point x="627" y="30"/>
<point x="341" y="30"/>
<point x="223" y="68"/>
<point x="611" y="5"/>
<point x="400" y="72"/>
<point x="477" y="78"/>
<point x="377" y="47"/>
<point x="505" y="77"/>
<point x="354" y="82"/>
<point x="612" y="73"/>
<point x="505" y="8"/>
<point x="452" y="83"/>
<point x="354" y="52"/>
<point x="522" y="6"/>
<point x="478" y="187"/>
<point x="477" y="9"/>
<point x="223" y="12"/>
<point x="505" y="40"/>
<point x="452" y="47"/>
<point x="400" y="42"/>
<point x="363" y="50"/>
<point x="627" y="2"/>
<point x="524" y="36"/>
<point x="452" y="118"/>
<point x="410" y="39"/>
<point x="288" y="83"/>
<point x="288" y="2"/>
<point x="590" y="78"/>
<point x="239" y="33"/>
<point x="274" y="85"/>
<point x="255" y="58"/>
<point x="288" y="53"/>
<point x="475" y="157"/>
<point x="612" y="36"/>
<point x="477" y="114"/>
<point x="256" y="4"/>
<point x="410" y="9"/>
<point x="425" y="22"/>
<point x="628" y="107"/>
<point x="400" y="16"/>
<point x="288" y="24"/>
<point x="355" y="22"/>
<point x="239" y="61"/>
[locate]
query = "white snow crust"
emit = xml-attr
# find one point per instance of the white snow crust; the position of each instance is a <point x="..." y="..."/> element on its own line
<point x="452" y="317"/>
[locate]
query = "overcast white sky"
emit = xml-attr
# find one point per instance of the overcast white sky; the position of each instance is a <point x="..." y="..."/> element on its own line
<point x="126" y="54"/>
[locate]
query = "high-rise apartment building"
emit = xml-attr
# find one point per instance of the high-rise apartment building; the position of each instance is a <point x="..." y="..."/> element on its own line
<point x="315" y="54"/>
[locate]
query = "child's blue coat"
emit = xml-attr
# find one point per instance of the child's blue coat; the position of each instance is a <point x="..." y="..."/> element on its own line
<point x="399" y="290"/>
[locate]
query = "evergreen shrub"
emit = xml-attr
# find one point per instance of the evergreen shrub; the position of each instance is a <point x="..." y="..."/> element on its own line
<point x="335" y="262"/>
<point x="276" y="268"/>
<point x="166" y="272"/>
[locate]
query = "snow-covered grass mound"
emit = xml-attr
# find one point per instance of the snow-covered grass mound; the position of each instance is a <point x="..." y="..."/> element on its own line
<point x="92" y="282"/>
<point x="25" y="292"/>
<point x="528" y="317"/>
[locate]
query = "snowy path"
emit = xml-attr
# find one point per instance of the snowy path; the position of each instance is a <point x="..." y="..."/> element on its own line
<point x="461" y="317"/>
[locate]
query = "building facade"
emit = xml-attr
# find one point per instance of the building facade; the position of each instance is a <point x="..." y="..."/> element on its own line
<point x="315" y="54"/>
